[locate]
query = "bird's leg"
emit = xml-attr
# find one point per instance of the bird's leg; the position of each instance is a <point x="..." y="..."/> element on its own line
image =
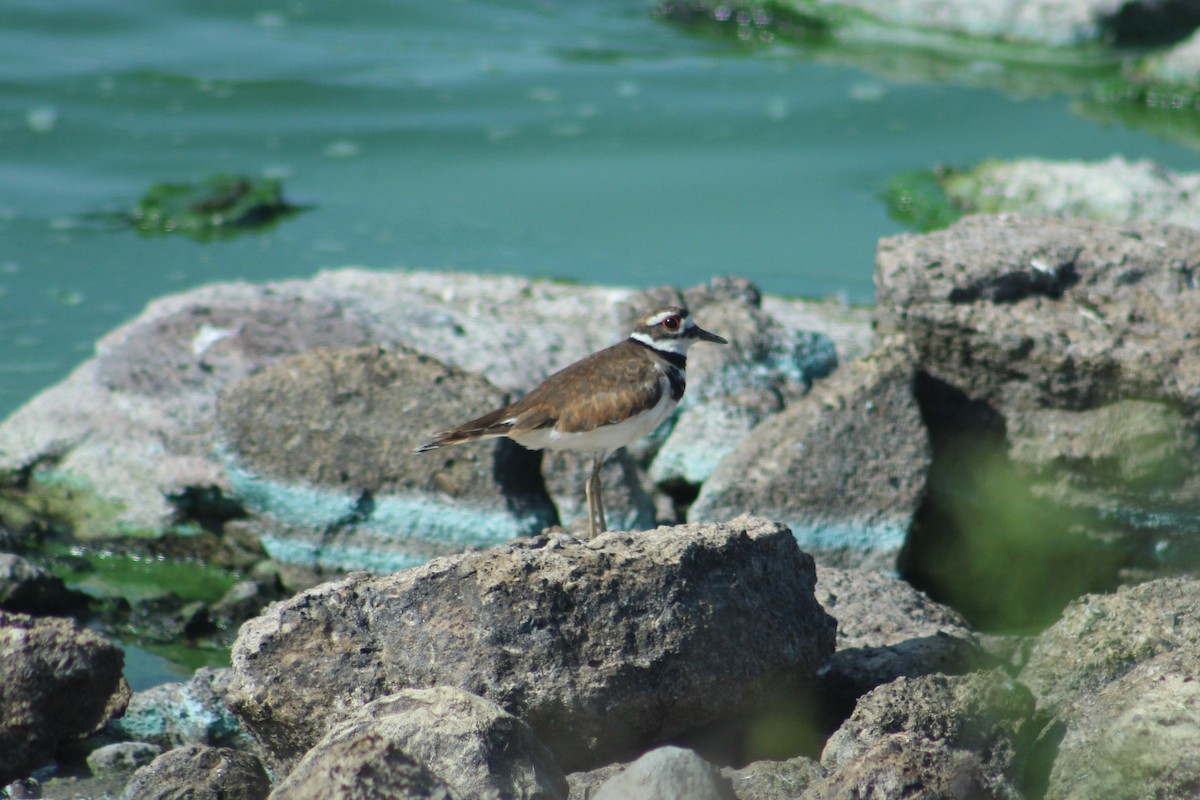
<point x="595" y="499"/>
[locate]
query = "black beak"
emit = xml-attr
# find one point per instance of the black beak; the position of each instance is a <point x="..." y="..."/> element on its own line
<point x="705" y="336"/>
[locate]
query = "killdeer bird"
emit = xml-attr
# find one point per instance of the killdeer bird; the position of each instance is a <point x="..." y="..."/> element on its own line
<point x="600" y="404"/>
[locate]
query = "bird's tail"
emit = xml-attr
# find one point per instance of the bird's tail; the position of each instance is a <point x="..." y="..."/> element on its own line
<point x="488" y="426"/>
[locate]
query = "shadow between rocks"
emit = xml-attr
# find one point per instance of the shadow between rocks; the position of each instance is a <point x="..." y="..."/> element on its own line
<point x="985" y="544"/>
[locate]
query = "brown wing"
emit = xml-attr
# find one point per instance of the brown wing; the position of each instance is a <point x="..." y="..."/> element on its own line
<point x="602" y="389"/>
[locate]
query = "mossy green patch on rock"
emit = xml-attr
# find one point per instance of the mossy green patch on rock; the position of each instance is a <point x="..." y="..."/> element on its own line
<point x="49" y="501"/>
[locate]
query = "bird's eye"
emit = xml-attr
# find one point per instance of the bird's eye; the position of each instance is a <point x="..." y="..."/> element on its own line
<point x="671" y="323"/>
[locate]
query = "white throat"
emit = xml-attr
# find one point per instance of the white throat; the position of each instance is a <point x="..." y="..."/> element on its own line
<point x="677" y="346"/>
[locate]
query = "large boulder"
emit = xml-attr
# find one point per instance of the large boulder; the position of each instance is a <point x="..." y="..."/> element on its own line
<point x="58" y="682"/>
<point x="603" y="647"/>
<point x="1027" y="312"/>
<point x="844" y="467"/>
<point x="1059" y="378"/>
<point x="324" y="445"/>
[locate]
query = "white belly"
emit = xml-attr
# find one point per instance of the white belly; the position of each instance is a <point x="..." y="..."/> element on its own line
<point x="606" y="438"/>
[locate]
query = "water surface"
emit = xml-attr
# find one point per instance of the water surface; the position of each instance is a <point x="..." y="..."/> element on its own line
<point x="578" y="140"/>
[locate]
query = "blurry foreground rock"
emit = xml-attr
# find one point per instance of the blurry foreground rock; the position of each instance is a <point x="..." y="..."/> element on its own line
<point x="58" y="683"/>
<point x="199" y="772"/>
<point x="469" y="742"/>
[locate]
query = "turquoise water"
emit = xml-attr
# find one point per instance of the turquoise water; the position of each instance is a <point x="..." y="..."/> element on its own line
<point x="580" y="140"/>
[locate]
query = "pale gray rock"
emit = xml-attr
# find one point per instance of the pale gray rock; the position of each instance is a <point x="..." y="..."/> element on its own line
<point x="844" y="467"/>
<point x="603" y="647"/>
<point x="668" y="773"/>
<point x="121" y="757"/>
<point x="134" y="424"/>
<point x="886" y="630"/>
<point x="1100" y="638"/>
<point x="325" y="443"/>
<point x="1116" y="190"/>
<point x="471" y="744"/>
<point x="58" y="682"/>
<point x="584" y="785"/>
<point x="197" y="772"/>
<point x="1137" y="737"/>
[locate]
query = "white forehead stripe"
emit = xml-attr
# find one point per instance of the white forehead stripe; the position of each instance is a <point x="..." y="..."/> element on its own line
<point x="658" y="318"/>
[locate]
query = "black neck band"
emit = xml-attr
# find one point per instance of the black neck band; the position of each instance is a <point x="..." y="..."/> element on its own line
<point x="674" y="359"/>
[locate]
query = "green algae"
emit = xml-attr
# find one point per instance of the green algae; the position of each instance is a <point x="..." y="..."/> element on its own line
<point x="919" y="199"/>
<point x="218" y="207"/>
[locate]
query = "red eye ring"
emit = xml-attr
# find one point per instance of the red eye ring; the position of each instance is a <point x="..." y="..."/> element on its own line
<point x="671" y="323"/>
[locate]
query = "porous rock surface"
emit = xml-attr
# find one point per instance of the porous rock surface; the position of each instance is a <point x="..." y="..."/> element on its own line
<point x="469" y="743"/>
<point x="58" y="682"/>
<point x="1071" y="344"/>
<point x="1101" y="637"/>
<point x="1028" y="312"/>
<point x="887" y="630"/>
<point x="1138" y="736"/>
<point x="199" y="772"/>
<point x="981" y="713"/>
<point x="602" y="647"/>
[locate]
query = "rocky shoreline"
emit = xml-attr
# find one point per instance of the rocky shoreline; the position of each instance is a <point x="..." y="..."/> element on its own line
<point x="1011" y="430"/>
